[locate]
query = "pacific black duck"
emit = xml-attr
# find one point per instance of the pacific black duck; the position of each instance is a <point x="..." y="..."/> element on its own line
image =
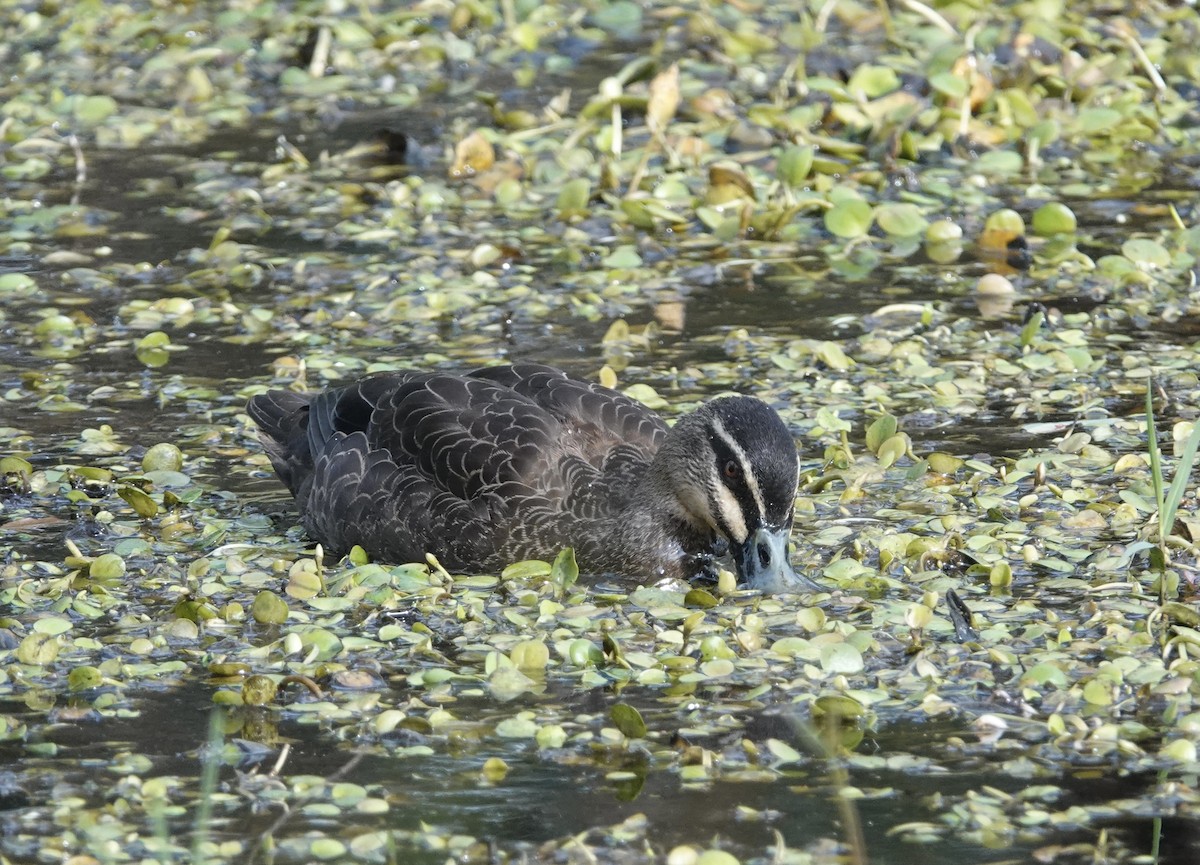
<point x="514" y="462"/>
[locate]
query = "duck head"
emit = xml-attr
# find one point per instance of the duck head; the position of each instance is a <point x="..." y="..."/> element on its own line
<point x="733" y="471"/>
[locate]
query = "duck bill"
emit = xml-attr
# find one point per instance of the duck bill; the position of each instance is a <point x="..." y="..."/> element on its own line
<point x="762" y="563"/>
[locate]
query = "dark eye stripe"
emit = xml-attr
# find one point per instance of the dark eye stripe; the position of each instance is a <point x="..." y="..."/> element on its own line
<point x="739" y="486"/>
<point x="749" y="477"/>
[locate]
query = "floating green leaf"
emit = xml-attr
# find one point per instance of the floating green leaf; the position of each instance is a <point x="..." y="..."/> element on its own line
<point x="849" y="218"/>
<point x="881" y="429"/>
<point x="1145" y="252"/>
<point x="84" y="678"/>
<point x="873" y="81"/>
<point x="628" y="720"/>
<point x="1052" y="218"/>
<point x="565" y="570"/>
<point x="900" y="220"/>
<point x="269" y="609"/>
<point x="145" y="506"/>
<point x="794" y="165"/>
<point x="108" y="566"/>
<point x="573" y="198"/>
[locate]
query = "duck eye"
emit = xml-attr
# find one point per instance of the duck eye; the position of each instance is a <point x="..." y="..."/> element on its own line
<point x="732" y="470"/>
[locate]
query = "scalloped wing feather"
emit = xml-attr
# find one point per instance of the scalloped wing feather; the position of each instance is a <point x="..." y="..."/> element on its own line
<point x="506" y="463"/>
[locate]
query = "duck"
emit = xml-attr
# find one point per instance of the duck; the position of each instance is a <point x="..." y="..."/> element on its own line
<point x="514" y="462"/>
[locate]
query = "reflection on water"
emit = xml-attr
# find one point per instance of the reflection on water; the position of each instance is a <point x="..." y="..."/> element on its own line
<point x="540" y="798"/>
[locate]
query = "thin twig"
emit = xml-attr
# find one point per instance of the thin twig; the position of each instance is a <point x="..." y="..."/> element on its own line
<point x="298" y="679"/>
<point x="80" y="162"/>
<point x="823" y="16"/>
<point x="297" y="806"/>
<point x="1125" y="32"/>
<point x="284" y="753"/>
<point x="852" y="829"/>
<point x="964" y="118"/>
<point x="931" y="15"/>
<point x="320" y="55"/>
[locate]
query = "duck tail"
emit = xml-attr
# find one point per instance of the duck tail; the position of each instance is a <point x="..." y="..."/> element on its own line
<point x="282" y="418"/>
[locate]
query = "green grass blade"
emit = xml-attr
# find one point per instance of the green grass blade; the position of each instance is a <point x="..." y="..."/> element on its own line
<point x="210" y="756"/>
<point x="1156" y="475"/>
<point x="1183" y="473"/>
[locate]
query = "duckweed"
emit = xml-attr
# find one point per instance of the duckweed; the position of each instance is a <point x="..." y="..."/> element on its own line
<point x="826" y="207"/>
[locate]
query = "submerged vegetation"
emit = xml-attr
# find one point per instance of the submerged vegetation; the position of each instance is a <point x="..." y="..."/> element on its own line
<point x="952" y="242"/>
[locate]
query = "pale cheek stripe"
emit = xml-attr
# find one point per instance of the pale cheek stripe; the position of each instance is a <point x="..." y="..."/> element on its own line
<point x="747" y="471"/>
<point x="731" y="513"/>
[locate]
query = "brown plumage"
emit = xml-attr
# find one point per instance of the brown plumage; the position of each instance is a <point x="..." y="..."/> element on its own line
<point x="515" y="462"/>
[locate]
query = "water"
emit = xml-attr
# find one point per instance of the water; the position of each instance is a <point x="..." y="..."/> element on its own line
<point x="197" y="396"/>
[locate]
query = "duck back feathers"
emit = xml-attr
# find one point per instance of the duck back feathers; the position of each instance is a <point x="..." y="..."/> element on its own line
<point x="482" y="469"/>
